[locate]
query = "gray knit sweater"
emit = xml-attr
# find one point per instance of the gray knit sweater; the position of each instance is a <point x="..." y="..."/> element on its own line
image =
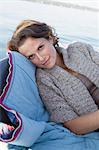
<point x="63" y="94"/>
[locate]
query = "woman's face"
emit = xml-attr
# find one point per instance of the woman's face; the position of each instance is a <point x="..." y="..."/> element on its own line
<point x="40" y="51"/>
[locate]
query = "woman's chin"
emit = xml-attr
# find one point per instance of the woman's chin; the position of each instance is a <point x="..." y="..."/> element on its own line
<point x="50" y="66"/>
<point x="47" y="66"/>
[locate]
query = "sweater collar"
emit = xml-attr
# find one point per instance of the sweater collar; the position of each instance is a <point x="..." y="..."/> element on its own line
<point x="77" y="62"/>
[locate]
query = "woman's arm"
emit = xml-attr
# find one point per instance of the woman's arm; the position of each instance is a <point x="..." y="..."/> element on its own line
<point x="84" y="124"/>
<point x="59" y="109"/>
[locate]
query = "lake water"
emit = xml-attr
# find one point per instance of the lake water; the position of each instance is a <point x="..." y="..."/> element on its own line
<point x="71" y="24"/>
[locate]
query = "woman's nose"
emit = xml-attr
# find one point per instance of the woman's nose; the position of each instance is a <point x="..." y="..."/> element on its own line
<point x="40" y="57"/>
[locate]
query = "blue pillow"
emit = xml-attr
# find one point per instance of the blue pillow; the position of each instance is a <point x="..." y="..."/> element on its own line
<point x="22" y="103"/>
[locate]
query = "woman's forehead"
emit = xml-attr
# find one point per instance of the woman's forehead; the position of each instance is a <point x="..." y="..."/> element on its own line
<point x="31" y="43"/>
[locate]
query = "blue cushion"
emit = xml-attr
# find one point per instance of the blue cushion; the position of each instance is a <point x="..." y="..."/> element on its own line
<point x="22" y="91"/>
<point x="21" y="101"/>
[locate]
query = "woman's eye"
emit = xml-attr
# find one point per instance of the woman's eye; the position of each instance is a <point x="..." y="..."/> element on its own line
<point x="31" y="56"/>
<point x="40" y="47"/>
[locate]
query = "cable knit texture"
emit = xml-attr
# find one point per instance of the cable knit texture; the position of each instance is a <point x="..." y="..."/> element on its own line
<point x="63" y="94"/>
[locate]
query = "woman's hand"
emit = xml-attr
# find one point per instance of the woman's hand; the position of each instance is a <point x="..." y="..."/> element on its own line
<point x="84" y="124"/>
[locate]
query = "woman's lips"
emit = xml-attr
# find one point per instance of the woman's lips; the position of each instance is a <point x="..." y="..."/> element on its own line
<point x="46" y="62"/>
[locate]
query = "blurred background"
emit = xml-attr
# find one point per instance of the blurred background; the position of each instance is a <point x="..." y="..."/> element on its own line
<point x="74" y="20"/>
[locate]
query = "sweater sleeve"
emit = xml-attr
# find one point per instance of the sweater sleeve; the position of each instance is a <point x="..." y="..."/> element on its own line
<point x="53" y="99"/>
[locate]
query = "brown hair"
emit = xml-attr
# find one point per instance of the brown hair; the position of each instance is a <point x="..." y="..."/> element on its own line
<point x="31" y="28"/>
<point x="35" y="29"/>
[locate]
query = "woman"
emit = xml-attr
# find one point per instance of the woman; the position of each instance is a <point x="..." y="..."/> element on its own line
<point x="68" y="79"/>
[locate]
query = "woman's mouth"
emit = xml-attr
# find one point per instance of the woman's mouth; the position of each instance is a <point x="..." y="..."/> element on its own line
<point x="46" y="62"/>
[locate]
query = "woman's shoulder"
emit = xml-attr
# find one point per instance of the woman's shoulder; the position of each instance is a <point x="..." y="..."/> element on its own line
<point x="40" y="72"/>
<point x="77" y="47"/>
<point x="80" y="46"/>
<point x="43" y="75"/>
